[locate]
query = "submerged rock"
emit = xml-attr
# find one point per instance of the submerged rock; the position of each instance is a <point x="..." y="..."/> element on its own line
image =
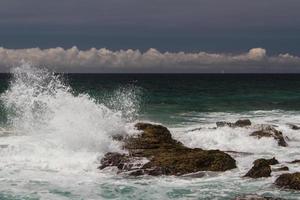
<point x="261" y="168"/>
<point x="238" y="123"/>
<point x="269" y="131"/>
<point x="165" y="155"/>
<point x="289" y="181"/>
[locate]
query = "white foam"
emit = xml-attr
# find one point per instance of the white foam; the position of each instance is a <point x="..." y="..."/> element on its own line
<point x="50" y="128"/>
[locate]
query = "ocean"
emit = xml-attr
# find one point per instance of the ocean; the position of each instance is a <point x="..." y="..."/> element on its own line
<point x="55" y="128"/>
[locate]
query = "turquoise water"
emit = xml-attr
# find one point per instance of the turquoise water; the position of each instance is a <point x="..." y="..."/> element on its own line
<point x="55" y="129"/>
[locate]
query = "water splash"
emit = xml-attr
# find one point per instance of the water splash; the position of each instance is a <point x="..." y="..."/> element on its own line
<point x="40" y="103"/>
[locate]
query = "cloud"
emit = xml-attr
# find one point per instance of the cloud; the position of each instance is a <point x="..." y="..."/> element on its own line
<point x="104" y="60"/>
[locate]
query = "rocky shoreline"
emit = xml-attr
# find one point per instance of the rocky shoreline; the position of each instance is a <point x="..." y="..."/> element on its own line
<point x="154" y="152"/>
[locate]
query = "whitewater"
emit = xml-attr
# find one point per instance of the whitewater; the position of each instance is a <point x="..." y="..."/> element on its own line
<point x="54" y="139"/>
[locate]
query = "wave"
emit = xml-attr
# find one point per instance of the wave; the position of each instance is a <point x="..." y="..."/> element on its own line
<point x="39" y="103"/>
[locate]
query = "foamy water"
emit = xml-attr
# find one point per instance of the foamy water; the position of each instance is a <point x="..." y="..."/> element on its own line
<point x="53" y="143"/>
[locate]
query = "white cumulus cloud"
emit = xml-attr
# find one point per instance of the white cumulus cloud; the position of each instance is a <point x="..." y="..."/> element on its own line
<point x="104" y="60"/>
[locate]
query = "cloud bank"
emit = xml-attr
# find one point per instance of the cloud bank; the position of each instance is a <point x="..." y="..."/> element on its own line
<point x="151" y="61"/>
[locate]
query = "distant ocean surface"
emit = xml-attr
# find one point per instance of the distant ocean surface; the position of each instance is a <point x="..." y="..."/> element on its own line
<point x="55" y="128"/>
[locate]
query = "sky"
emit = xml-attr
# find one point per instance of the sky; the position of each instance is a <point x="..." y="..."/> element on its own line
<point x="197" y="28"/>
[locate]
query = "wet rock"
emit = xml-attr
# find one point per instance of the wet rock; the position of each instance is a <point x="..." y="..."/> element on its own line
<point x="114" y="159"/>
<point x="238" y="123"/>
<point x="165" y="155"/>
<point x="223" y="123"/>
<point x="294" y="127"/>
<point x="123" y="162"/>
<point x="294" y="161"/>
<point x="261" y="168"/>
<point x="289" y="181"/>
<point x="256" y="197"/>
<point x="239" y="153"/>
<point x="243" y="123"/>
<point x="269" y="131"/>
<point x="138" y="172"/>
<point x="284" y="168"/>
<point x="263" y="161"/>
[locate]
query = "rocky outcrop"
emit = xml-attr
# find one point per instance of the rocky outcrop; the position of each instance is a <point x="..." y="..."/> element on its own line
<point x="289" y="181"/>
<point x="269" y="131"/>
<point x="164" y="155"/>
<point x="238" y="123"/>
<point x="261" y="168"/>
<point x="256" y="197"/>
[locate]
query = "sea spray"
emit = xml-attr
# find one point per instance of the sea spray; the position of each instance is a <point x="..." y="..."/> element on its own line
<point x="40" y="103"/>
<point x="125" y="100"/>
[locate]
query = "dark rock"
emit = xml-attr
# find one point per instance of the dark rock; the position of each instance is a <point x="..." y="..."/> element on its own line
<point x="238" y="123"/>
<point x="284" y="168"/>
<point x="223" y="123"/>
<point x="269" y="131"/>
<point x="289" y="181"/>
<point x="242" y="123"/>
<point x="114" y="159"/>
<point x="261" y="168"/>
<point x="256" y="197"/>
<point x="165" y="155"/>
<point x="294" y="161"/>
<point x="239" y="153"/>
<point x="263" y="161"/>
<point x="138" y="172"/>
<point x="119" y="137"/>
<point x="294" y="127"/>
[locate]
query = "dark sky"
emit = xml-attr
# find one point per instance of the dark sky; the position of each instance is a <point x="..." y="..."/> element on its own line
<point x="174" y="25"/>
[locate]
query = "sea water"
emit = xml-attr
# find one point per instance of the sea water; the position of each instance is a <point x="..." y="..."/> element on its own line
<point x="55" y="128"/>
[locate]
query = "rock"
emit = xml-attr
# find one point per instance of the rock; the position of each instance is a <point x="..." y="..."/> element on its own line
<point x="122" y="161"/>
<point x="256" y="197"/>
<point x="242" y="123"/>
<point x="114" y="159"/>
<point x="284" y="168"/>
<point x="238" y="123"/>
<point x="138" y="172"/>
<point x="289" y="181"/>
<point x="261" y="168"/>
<point x="164" y="155"/>
<point x="263" y="161"/>
<point x="223" y="123"/>
<point x="294" y="161"/>
<point x="239" y="153"/>
<point x="294" y="127"/>
<point x="269" y="131"/>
